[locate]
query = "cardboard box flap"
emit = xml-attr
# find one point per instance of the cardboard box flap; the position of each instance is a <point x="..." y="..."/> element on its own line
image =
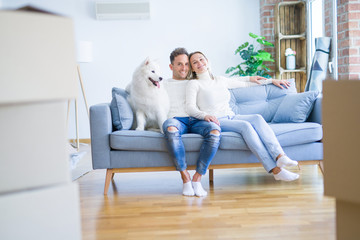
<point x="29" y="8"/>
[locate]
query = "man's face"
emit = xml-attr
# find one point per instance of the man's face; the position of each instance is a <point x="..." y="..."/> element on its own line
<point x="180" y="67"/>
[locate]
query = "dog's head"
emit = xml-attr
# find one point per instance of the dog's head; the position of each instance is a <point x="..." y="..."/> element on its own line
<point x="151" y="71"/>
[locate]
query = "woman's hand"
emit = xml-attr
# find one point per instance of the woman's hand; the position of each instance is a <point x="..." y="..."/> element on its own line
<point x="279" y="83"/>
<point x="256" y="79"/>
<point x="210" y="118"/>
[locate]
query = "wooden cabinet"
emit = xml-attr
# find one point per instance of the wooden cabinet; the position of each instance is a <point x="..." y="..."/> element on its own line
<point x="290" y="32"/>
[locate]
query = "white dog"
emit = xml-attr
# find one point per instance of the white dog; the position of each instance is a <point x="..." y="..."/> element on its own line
<point x="148" y="97"/>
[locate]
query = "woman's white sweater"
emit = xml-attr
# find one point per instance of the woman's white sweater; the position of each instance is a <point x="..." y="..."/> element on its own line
<point x="207" y="96"/>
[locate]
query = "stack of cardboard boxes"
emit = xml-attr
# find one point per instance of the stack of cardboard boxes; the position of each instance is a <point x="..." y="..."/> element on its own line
<point x="341" y="122"/>
<point x="37" y="77"/>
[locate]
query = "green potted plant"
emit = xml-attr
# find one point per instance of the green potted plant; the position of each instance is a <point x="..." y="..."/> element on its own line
<point x="253" y="58"/>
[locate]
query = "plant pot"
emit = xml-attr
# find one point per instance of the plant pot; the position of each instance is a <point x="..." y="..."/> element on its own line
<point x="290" y="62"/>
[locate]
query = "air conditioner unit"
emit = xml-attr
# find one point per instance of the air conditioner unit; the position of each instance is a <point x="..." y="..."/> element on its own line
<point x="122" y="9"/>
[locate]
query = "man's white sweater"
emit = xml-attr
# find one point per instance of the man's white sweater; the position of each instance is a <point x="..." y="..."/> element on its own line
<point x="176" y="90"/>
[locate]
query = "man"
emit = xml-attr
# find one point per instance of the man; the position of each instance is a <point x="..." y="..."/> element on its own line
<point x="179" y="123"/>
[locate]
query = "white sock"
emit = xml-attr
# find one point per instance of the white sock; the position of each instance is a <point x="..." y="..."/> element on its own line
<point x="198" y="189"/>
<point x="285" y="161"/>
<point x="188" y="189"/>
<point x="285" y="175"/>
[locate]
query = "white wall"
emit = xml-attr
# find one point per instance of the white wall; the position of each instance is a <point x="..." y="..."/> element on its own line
<point x="214" y="27"/>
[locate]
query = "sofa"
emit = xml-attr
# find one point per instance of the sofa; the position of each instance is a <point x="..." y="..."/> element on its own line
<point x="294" y="117"/>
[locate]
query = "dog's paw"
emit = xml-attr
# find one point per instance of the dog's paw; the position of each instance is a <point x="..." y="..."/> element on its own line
<point x="139" y="129"/>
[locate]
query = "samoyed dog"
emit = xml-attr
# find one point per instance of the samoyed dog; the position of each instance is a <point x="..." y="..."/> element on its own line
<point x="148" y="97"/>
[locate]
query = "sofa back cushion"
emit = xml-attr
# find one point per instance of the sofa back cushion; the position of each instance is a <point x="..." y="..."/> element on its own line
<point x="121" y="112"/>
<point x="263" y="100"/>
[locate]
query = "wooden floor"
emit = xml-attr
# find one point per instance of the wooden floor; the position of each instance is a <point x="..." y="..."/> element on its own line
<point x="242" y="204"/>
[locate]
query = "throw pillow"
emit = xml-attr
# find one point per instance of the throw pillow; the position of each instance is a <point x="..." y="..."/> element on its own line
<point x="121" y="112"/>
<point x="119" y="91"/>
<point x="295" y="107"/>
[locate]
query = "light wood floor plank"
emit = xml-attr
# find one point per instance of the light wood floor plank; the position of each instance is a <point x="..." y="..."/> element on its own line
<point x="242" y="204"/>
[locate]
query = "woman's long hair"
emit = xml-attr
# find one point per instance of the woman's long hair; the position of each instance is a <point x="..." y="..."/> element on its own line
<point x="192" y="74"/>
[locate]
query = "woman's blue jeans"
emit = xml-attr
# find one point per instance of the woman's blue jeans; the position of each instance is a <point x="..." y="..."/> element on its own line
<point x="258" y="135"/>
<point x="191" y="125"/>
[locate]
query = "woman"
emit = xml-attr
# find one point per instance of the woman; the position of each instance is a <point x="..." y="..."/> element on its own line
<point x="207" y="98"/>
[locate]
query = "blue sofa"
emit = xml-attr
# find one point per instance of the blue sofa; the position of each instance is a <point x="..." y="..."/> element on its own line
<point x="294" y="117"/>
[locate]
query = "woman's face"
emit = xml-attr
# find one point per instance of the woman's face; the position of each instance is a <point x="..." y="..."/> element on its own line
<point x="198" y="62"/>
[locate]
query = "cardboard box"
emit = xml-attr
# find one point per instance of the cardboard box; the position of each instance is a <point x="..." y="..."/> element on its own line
<point x="49" y="213"/>
<point x="347" y="220"/>
<point x="341" y="124"/>
<point x="37" y="57"/>
<point x="32" y="151"/>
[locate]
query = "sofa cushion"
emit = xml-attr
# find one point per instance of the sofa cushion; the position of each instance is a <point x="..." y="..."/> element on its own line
<point x="288" y="134"/>
<point x="295" y="107"/>
<point x="263" y="100"/>
<point x="121" y="112"/>
<point x="150" y="141"/>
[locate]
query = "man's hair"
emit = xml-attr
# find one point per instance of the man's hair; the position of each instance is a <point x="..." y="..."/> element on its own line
<point x="177" y="52"/>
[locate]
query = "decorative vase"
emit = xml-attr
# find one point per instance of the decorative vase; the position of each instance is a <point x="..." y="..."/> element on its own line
<point x="290" y="62"/>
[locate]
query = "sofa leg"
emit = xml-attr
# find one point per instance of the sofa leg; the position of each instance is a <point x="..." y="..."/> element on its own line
<point x="211" y="176"/>
<point x="109" y="176"/>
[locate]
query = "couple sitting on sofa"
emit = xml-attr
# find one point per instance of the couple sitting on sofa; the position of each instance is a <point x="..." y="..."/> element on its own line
<point x="202" y="106"/>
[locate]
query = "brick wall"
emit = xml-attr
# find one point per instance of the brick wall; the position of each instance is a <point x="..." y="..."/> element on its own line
<point x="348" y="33"/>
<point x="348" y="39"/>
<point x="267" y="27"/>
<point x="328" y="12"/>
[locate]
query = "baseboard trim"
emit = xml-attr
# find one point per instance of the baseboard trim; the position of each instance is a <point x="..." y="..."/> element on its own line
<point x="81" y="140"/>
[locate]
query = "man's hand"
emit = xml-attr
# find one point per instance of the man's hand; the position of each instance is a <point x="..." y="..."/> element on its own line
<point x="210" y="118"/>
<point x="256" y="79"/>
<point x="279" y="83"/>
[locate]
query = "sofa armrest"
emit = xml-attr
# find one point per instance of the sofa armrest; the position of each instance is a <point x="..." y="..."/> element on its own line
<point x="100" y="129"/>
<point x="316" y="113"/>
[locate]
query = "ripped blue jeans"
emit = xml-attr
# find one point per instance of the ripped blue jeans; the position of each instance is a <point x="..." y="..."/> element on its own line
<point x="191" y="125"/>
